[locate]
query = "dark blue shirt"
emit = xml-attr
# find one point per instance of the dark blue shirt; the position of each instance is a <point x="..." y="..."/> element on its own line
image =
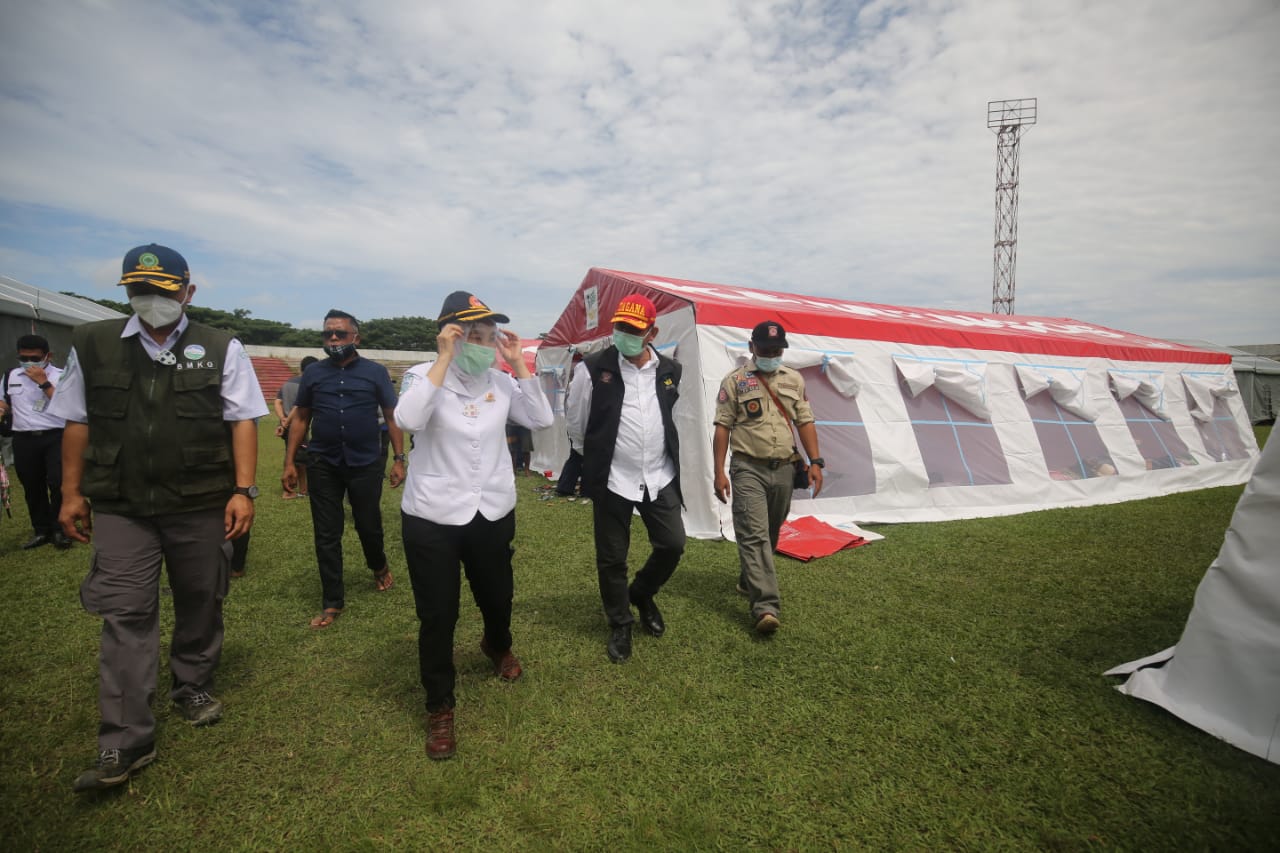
<point x="344" y="404"/>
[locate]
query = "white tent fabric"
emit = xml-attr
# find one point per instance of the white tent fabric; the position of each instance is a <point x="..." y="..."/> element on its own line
<point x="1064" y="385"/>
<point x="1202" y="392"/>
<point x="922" y="414"/>
<point x="1223" y="676"/>
<point x="1147" y="390"/>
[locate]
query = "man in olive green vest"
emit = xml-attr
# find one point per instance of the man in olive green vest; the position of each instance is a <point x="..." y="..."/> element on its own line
<point x="161" y="438"/>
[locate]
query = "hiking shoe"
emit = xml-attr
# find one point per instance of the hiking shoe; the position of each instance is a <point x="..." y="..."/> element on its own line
<point x="767" y="623"/>
<point x="113" y="767"/>
<point x="441" y="743"/>
<point x="505" y="665"/>
<point x="200" y="709"/>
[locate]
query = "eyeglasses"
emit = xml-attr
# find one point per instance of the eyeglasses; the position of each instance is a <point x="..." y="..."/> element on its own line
<point x="340" y="334"/>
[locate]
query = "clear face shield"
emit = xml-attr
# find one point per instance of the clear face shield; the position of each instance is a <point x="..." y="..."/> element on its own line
<point x="478" y="348"/>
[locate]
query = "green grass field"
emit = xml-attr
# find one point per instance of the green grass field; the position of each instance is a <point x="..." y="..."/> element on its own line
<point x="939" y="689"/>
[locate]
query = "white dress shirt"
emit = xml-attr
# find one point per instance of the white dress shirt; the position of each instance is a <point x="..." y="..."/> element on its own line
<point x="25" y="395"/>
<point x="640" y="460"/>
<point x="459" y="464"/>
<point x="242" y="398"/>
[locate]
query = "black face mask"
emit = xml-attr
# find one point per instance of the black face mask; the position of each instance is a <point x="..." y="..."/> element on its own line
<point x="339" y="352"/>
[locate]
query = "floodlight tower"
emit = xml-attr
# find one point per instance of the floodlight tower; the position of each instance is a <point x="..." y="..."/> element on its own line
<point x="1009" y="120"/>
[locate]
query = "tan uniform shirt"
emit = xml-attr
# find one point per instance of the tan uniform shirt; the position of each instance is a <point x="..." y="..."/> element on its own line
<point x="745" y="407"/>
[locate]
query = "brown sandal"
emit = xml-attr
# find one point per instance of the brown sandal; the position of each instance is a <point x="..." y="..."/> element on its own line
<point x="382" y="580"/>
<point x="327" y="618"/>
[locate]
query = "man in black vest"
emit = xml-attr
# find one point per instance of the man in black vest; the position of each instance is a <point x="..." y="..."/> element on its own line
<point x="619" y="412"/>
<point x="161" y="437"/>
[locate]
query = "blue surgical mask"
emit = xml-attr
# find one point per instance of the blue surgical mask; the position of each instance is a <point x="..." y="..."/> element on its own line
<point x="629" y="345"/>
<point x="768" y="365"/>
<point x="474" y="359"/>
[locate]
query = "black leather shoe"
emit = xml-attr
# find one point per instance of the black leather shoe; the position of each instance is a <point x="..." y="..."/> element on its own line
<point x="61" y="541"/>
<point x="620" y="643"/>
<point x="650" y="615"/>
<point x="36" y="541"/>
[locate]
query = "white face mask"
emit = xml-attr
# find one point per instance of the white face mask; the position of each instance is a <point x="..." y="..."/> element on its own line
<point x="155" y="310"/>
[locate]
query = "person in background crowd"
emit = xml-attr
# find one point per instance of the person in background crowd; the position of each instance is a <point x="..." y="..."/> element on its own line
<point x="459" y="505"/>
<point x="37" y="439"/>
<point x="571" y="471"/>
<point x="757" y="403"/>
<point x="339" y="400"/>
<point x="520" y="444"/>
<point x="619" y="411"/>
<point x="285" y="400"/>
<point x="161" y="437"/>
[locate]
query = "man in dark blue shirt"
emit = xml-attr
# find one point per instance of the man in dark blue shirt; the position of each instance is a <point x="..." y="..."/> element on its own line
<point x="339" y="400"/>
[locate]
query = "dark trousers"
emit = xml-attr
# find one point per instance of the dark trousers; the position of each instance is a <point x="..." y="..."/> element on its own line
<point x="571" y="474"/>
<point x="123" y="587"/>
<point x="37" y="458"/>
<point x="434" y="553"/>
<point x="661" y="517"/>
<point x="328" y="484"/>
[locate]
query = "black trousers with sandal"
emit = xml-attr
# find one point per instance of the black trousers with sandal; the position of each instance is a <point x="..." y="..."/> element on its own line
<point x="437" y="555"/>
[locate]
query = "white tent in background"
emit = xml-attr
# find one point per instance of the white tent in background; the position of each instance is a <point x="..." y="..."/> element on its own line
<point x="926" y="415"/>
<point x="1223" y="676"/>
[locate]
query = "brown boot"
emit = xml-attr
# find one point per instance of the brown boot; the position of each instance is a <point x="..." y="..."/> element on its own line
<point x="440" y="741"/>
<point x="505" y="665"/>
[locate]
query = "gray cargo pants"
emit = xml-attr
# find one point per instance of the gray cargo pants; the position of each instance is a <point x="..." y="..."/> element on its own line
<point x="123" y="587"/>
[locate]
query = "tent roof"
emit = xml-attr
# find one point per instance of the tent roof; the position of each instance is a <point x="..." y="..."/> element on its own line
<point x="26" y="300"/>
<point x="1242" y="361"/>
<point x="743" y="307"/>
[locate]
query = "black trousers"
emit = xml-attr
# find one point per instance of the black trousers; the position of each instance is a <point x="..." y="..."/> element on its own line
<point x="37" y="459"/>
<point x="435" y="553"/>
<point x="661" y="517"/>
<point x="571" y="474"/>
<point x="327" y="484"/>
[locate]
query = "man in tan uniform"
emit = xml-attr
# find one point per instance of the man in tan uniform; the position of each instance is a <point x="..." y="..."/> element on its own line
<point x="749" y="418"/>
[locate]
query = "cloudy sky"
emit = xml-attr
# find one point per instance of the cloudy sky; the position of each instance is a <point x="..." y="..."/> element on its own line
<point x="375" y="155"/>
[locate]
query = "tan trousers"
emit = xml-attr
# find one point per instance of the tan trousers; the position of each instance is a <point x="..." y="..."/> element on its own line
<point x="761" y="501"/>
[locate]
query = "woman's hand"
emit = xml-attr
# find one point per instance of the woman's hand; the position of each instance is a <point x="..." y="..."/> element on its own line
<point x="513" y="353"/>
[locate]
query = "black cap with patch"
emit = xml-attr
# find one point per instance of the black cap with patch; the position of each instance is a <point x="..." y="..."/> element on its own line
<point x="769" y="335"/>
<point x="463" y="307"/>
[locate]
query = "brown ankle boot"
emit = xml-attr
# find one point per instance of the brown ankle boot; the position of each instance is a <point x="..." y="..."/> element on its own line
<point x="440" y="741"/>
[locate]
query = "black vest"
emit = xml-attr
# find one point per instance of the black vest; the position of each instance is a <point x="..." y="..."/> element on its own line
<point x="157" y="441"/>
<point x="601" y="436"/>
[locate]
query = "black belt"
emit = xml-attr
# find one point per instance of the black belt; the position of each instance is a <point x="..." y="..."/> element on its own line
<point x="772" y="463"/>
<point x="36" y="431"/>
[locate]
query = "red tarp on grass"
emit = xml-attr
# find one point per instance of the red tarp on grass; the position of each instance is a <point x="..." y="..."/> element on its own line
<point x="805" y="538"/>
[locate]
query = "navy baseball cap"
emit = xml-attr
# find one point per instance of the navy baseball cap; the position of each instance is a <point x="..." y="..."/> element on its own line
<point x="769" y="335"/>
<point x="463" y="307"/>
<point x="158" y="266"/>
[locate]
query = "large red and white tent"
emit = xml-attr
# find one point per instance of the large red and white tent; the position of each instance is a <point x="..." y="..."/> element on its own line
<point x="926" y="414"/>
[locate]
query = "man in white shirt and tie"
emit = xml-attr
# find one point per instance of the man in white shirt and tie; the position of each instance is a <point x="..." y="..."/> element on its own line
<point x="619" y="411"/>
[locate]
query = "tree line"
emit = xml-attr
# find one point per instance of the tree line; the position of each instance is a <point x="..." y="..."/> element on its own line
<point x="417" y="334"/>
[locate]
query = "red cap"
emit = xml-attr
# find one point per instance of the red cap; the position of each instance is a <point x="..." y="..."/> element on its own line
<point x="636" y="310"/>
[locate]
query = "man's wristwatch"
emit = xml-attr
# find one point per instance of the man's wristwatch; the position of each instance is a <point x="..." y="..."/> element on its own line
<point x="819" y="461"/>
<point x="45" y="385"/>
<point x="250" y="492"/>
<point x="399" y="457"/>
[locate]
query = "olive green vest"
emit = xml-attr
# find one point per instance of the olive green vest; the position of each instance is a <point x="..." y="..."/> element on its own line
<point x="157" y="441"/>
